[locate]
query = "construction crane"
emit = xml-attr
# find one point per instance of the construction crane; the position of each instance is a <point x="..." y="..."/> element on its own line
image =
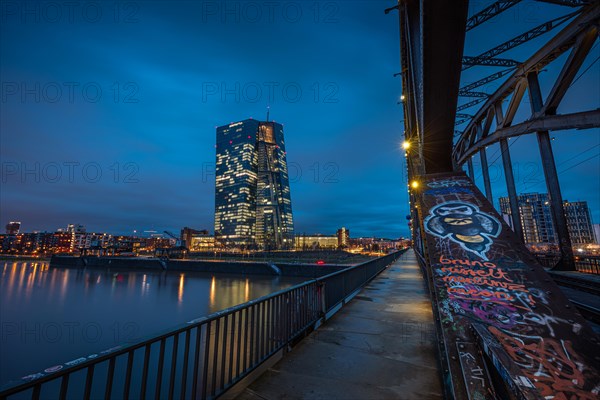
<point x="177" y="240"/>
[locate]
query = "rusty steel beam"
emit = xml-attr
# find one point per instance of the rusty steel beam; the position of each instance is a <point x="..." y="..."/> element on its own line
<point x="466" y="93"/>
<point x="525" y="37"/>
<point x="486" y="175"/>
<point x="490" y="12"/>
<point x="568" y="37"/>
<point x="431" y="45"/>
<point x="488" y="62"/>
<point x="568" y="3"/>
<point x="486" y="80"/>
<point x="470" y="104"/>
<point x="566" y="262"/>
<point x="579" y="121"/>
<point x="567" y="74"/>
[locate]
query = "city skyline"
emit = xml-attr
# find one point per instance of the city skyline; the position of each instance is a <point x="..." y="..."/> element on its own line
<point x="140" y="155"/>
<point x="536" y="219"/>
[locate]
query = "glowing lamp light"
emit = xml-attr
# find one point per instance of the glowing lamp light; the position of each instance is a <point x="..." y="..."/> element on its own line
<point x="414" y="184"/>
<point x="406" y="145"/>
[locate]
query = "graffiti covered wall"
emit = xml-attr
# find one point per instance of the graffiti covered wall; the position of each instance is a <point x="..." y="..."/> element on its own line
<point x="483" y="276"/>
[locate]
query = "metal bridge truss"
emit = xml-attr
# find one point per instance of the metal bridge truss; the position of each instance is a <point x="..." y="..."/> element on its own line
<point x="577" y="38"/>
<point x="501" y="6"/>
<point x="504" y="329"/>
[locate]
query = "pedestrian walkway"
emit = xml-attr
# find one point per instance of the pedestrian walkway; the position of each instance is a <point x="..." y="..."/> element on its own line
<point x="379" y="346"/>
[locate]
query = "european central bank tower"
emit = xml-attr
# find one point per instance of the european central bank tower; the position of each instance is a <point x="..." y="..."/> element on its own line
<point x="253" y="206"/>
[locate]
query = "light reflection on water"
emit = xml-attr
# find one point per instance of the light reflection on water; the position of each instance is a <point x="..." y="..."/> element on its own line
<point x="53" y="315"/>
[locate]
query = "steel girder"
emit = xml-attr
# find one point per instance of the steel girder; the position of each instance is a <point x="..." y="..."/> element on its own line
<point x="519" y="40"/>
<point x="490" y="12"/>
<point x="488" y="62"/>
<point x="432" y="39"/>
<point x="466" y="93"/>
<point x="579" y="37"/>
<point x="568" y="3"/>
<point x="483" y="81"/>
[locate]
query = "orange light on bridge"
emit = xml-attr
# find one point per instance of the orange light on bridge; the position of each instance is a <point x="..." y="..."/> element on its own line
<point x="414" y="184"/>
<point x="406" y="145"/>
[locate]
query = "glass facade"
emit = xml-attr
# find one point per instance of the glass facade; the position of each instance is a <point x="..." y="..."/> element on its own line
<point x="579" y="222"/>
<point x="253" y="207"/>
<point x="536" y="219"/>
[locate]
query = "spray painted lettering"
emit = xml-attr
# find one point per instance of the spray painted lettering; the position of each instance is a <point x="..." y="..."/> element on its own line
<point x="552" y="366"/>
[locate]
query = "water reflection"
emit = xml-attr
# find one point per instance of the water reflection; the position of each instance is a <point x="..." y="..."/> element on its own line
<point x="180" y="291"/>
<point x="119" y="305"/>
<point x="247" y="290"/>
<point x="213" y="292"/>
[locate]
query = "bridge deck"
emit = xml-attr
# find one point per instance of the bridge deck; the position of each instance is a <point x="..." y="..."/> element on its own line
<point x="380" y="346"/>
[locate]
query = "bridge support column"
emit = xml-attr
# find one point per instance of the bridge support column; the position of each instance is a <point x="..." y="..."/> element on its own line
<point x="486" y="175"/>
<point x="566" y="262"/>
<point x="471" y="170"/>
<point x="512" y="191"/>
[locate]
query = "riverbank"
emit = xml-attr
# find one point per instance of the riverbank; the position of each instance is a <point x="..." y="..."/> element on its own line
<point x="308" y="270"/>
<point x="19" y="258"/>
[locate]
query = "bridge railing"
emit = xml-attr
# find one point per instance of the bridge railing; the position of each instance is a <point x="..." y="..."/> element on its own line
<point x="585" y="263"/>
<point x="207" y="356"/>
<point x="588" y="264"/>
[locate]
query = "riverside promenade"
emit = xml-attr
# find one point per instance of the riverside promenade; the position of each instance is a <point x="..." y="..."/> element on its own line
<point x="379" y="346"/>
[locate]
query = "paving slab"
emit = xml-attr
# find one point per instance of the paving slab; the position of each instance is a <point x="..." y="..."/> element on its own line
<point x="379" y="346"/>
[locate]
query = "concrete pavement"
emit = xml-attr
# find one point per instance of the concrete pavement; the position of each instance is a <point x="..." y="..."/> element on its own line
<point x="379" y="346"/>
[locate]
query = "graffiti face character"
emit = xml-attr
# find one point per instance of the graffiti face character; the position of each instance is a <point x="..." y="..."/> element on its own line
<point x="464" y="224"/>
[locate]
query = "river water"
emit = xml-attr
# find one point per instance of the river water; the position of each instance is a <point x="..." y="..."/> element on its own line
<point x="52" y="315"/>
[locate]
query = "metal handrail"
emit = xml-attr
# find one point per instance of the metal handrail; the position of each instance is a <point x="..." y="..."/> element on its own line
<point x="227" y="345"/>
<point x="588" y="264"/>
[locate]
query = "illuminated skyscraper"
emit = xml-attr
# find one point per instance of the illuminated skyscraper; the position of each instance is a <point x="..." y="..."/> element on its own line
<point x="253" y="207"/>
<point x="536" y="219"/>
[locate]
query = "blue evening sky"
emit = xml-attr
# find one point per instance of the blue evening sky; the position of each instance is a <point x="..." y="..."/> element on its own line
<point x="108" y="110"/>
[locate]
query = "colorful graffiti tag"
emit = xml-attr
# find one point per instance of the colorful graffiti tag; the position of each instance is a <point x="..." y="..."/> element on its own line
<point x="446" y="183"/>
<point x="490" y="295"/>
<point x="485" y="293"/>
<point x="556" y="370"/>
<point x="465" y="224"/>
<point x="484" y="290"/>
